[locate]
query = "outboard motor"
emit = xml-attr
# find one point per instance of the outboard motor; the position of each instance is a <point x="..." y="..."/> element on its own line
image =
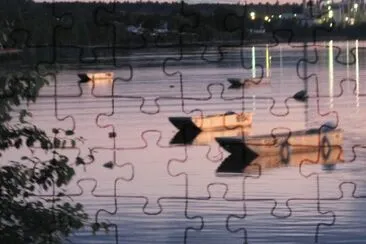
<point x="328" y="126"/>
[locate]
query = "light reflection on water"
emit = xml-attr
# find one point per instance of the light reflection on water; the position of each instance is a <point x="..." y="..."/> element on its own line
<point x="155" y="178"/>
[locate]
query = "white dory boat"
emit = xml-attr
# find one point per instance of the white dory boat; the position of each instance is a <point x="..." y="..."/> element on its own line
<point x="85" y="77"/>
<point x="214" y="122"/>
<point x="285" y="143"/>
<point x="232" y="166"/>
<point x="206" y="137"/>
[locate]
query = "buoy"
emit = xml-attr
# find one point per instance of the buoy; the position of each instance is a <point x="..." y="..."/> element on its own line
<point x="328" y="126"/>
<point x="301" y="96"/>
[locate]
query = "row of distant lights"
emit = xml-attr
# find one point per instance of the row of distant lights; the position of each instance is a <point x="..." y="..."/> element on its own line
<point x="354" y="9"/>
<point x="252" y="17"/>
<point x="347" y="19"/>
<point x="266" y="18"/>
<point x="330" y="14"/>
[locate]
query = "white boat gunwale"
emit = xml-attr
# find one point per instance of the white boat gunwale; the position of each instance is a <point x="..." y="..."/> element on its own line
<point x="216" y="122"/>
<point x="86" y="77"/>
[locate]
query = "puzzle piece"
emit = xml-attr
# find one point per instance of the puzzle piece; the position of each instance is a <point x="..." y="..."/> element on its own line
<point x="196" y="184"/>
<point x="110" y="18"/>
<point x="347" y="207"/>
<point x="215" y="228"/>
<point x="174" y="220"/>
<point x="256" y="219"/>
<point x="66" y="116"/>
<point x="159" y="185"/>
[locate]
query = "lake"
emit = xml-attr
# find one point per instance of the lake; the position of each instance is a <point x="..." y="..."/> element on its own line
<point x="162" y="193"/>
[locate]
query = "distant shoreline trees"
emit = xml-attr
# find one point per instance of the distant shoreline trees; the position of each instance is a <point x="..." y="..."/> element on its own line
<point x="41" y="26"/>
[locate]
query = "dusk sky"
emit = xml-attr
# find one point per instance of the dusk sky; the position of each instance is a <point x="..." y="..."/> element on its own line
<point x="189" y="1"/>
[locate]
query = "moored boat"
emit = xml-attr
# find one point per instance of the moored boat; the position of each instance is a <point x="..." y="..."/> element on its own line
<point x="248" y="82"/>
<point x="229" y="120"/>
<point x="86" y="77"/>
<point x="285" y="143"/>
<point x="207" y="137"/>
<point x="232" y="166"/>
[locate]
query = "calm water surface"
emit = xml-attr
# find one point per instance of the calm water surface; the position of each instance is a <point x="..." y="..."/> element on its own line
<point x="162" y="193"/>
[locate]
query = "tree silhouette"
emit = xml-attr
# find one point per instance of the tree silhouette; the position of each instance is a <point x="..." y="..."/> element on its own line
<point x="24" y="217"/>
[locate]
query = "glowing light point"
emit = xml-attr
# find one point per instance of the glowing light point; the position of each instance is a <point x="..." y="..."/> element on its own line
<point x="252" y="15"/>
<point x="330" y="14"/>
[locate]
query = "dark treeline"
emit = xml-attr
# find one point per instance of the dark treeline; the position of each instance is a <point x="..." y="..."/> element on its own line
<point x="92" y="23"/>
<point x="26" y="23"/>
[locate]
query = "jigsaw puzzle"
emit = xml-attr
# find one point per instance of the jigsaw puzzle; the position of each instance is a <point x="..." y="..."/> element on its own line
<point x="184" y="122"/>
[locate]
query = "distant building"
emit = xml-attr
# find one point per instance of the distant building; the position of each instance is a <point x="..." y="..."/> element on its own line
<point x="287" y="16"/>
<point x="162" y="30"/>
<point x="136" y="30"/>
<point x="260" y="30"/>
<point x="346" y="12"/>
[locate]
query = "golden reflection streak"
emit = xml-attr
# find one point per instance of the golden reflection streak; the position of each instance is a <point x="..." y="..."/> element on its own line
<point x="100" y="82"/>
<point x="267" y="61"/>
<point x="357" y="77"/>
<point x="281" y="66"/>
<point x="347" y="51"/>
<point x="253" y="62"/>
<point x="331" y="73"/>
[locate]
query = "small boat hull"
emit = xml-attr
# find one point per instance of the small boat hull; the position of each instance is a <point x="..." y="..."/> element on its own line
<point x="207" y="137"/>
<point x="248" y="82"/>
<point x="198" y="137"/>
<point x="296" y="142"/>
<point x="213" y="122"/>
<point x="86" y="77"/>
<point x="232" y="167"/>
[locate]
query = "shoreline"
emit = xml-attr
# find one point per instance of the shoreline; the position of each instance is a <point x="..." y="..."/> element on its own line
<point x="30" y="58"/>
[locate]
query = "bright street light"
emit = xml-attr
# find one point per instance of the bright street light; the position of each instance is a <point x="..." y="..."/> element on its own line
<point x="252" y="15"/>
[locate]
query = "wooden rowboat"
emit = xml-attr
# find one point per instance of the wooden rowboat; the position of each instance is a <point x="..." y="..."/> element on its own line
<point x="285" y="143"/>
<point x="207" y="137"/>
<point x="230" y="166"/>
<point x="215" y="122"/>
<point x="86" y="77"/>
<point x="248" y="82"/>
